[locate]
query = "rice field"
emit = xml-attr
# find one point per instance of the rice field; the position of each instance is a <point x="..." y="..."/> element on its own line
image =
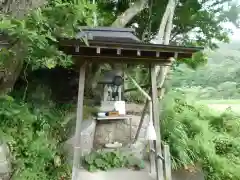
<point x="222" y="105"/>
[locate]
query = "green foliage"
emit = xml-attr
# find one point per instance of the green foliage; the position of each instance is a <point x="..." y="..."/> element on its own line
<point x="218" y="79"/>
<point x="37" y="33"/>
<point x="198" y="59"/>
<point x="33" y="135"/>
<point x="108" y="160"/>
<point x="195" y="22"/>
<point x="104" y="160"/>
<point x="198" y="136"/>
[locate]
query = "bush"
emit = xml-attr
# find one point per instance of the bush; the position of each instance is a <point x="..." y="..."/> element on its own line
<point x="197" y="136"/>
<point x="32" y="135"/>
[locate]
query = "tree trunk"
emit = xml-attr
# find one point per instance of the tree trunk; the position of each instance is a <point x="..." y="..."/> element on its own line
<point x="19" y="8"/>
<point x="169" y="26"/>
<point x="163" y="37"/>
<point x="161" y="31"/>
<point x="10" y="70"/>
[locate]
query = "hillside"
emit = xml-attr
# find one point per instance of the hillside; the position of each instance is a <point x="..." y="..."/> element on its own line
<point x="218" y="79"/>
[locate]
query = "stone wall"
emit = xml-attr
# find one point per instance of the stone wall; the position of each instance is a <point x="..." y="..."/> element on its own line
<point x="5" y="164"/>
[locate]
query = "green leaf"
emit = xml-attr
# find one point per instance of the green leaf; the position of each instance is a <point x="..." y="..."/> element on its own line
<point x="100" y="163"/>
<point x="50" y="63"/>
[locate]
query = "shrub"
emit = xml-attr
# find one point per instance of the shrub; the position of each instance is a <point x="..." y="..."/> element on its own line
<point x="33" y="140"/>
<point x="198" y="136"/>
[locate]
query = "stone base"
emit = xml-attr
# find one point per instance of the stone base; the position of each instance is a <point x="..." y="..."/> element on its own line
<point x="97" y="134"/>
<point x="87" y="136"/>
<point x="122" y="131"/>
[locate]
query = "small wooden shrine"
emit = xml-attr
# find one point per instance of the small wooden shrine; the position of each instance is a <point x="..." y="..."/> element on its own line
<point x="120" y="46"/>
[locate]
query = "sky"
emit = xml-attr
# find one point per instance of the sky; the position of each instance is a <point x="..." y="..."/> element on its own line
<point x="236" y="31"/>
<point x="236" y="34"/>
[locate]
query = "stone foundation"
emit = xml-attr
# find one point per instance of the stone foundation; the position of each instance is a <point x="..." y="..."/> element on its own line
<point x="96" y="134"/>
<point x="122" y="131"/>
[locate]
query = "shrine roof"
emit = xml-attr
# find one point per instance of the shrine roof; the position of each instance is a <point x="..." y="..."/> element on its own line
<point x="107" y="44"/>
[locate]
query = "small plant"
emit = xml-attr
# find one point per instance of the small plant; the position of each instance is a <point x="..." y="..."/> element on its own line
<point x="109" y="160"/>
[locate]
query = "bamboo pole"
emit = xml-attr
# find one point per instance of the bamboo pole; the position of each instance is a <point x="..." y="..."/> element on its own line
<point x="151" y="144"/>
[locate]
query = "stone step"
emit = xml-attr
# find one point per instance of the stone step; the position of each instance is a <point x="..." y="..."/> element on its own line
<point x="116" y="174"/>
<point x="128" y="174"/>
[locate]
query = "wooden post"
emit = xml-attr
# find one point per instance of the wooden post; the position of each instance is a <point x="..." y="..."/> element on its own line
<point x="77" y="149"/>
<point x="156" y="109"/>
<point x="167" y="163"/>
<point x="152" y="159"/>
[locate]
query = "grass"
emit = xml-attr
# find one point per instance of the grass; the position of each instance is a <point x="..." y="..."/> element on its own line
<point x="197" y="135"/>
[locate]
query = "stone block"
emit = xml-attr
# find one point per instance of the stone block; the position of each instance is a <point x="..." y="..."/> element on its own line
<point x="87" y="137"/>
<point x="5" y="176"/>
<point x="5" y="164"/>
<point x="5" y="167"/>
<point x="3" y="153"/>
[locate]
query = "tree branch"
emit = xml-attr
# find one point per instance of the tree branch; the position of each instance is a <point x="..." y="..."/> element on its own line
<point x="132" y="11"/>
<point x="134" y="89"/>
